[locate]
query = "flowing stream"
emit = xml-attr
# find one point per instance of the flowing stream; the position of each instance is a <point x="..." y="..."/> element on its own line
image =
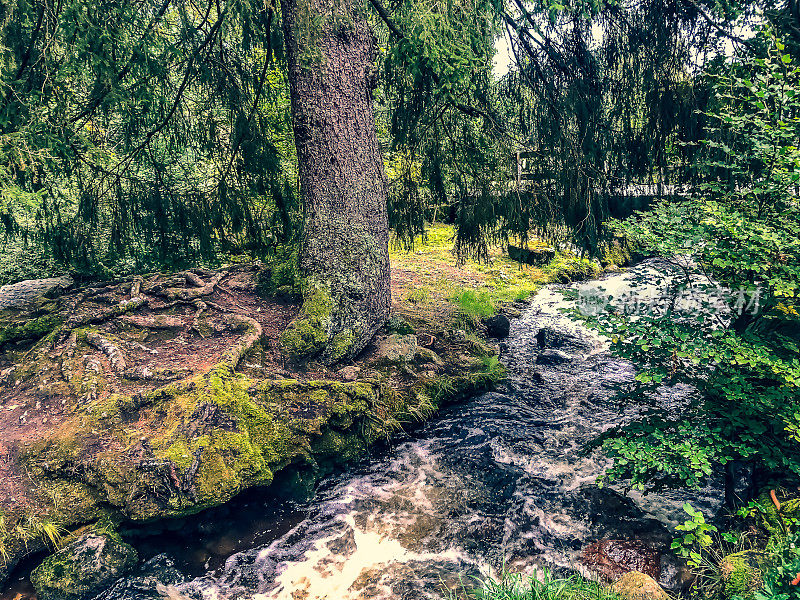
<point x="496" y="482"/>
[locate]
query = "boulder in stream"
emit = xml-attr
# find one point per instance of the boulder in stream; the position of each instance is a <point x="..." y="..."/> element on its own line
<point x="498" y="326"/>
<point x="552" y="357"/>
<point x="148" y="582"/>
<point x="83" y="568"/>
<point x="613" y="558"/>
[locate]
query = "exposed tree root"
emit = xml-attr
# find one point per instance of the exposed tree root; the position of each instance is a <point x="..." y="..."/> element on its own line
<point x="193" y="279"/>
<point x="91" y="378"/>
<point x="179" y="293"/>
<point x="253" y="331"/>
<point x="136" y="288"/>
<point x="147" y="374"/>
<point x="67" y="355"/>
<point x="108" y="348"/>
<point x="201" y="308"/>
<point x="120" y="309"/>
<point x="154" y="321"/>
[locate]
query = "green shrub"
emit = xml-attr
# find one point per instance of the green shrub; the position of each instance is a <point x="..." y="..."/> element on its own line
<point x="19" y="261"/>
<point x="280" y="275"/>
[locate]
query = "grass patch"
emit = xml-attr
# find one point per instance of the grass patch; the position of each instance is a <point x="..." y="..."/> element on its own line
<point x="433" y="288"/>
<point x="474" y="304"/>
<point x="471" y="307"/>
<point x="546" y="587"/>
<point x="420" y="295"/>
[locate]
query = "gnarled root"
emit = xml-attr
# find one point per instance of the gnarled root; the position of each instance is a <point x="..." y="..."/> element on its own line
<point x="194" y="279"/>
<point x="91" y="378"/>
<point x="253" y="332"/>
<point x="120" y="309"/>
<point x="176" y="293"/>
<point x="108" y="348"/>
<point x="67" y="356"/>
<point x="146" y="374"/>
<point x="153" y="321"/>
<point x="201" y="308"/>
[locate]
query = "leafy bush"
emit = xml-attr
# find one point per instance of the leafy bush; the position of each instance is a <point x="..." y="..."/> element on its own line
<point x="280" y="275"/>
<point x="566" y="268"/>
<point x="696" y="536"/>
<point x="19" y="260"/>
<point x="742" y="230"/>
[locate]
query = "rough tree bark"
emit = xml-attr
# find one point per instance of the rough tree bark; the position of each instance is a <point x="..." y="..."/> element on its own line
<point x="344" y="255"/>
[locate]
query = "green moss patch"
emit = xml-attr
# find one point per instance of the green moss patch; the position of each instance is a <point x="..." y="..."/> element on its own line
<point x="308" y="333"/>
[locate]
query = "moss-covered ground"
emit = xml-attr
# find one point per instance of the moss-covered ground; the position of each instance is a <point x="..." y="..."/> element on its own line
<point x="431" y="287"/>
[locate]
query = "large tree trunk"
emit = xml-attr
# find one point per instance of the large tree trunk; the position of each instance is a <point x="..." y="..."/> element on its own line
<point x="344" y="254"/>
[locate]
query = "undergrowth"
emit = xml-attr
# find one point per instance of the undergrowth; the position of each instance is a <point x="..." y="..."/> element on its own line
<point x="544" y="587"/>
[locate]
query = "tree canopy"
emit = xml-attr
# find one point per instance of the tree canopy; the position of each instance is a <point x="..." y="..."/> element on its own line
<point x="142" y="132"/>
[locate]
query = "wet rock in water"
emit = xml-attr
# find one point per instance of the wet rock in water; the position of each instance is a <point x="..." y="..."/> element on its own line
<point x="552" y="357"/>
<point x="146" y="583"/>
<point x="638" y="586"/>
<point x="84" y="568"/>
<point x="742" y="573"/>
<point x="398" y="347"/>
<point x="613" y="558"/>
<point x="498" y="326"/>
<point x="350" y="373"/>
<point x="550" y="337"/>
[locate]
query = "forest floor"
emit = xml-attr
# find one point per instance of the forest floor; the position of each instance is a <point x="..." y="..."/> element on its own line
<point x="159" y="396"/>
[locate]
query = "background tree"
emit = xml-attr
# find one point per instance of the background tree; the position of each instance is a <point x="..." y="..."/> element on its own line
<point x="603" y="96"/>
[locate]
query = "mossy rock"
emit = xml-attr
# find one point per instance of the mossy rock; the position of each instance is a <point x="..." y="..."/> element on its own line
<point x="772" y="520"/>
<point x="398" y="348"/>
<point x="638" y="586"/>
<point x="399" y="325"/>
<point x="743" y="573"/>
<point x="84" y="568"/>
<point x="12" y="329"/>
